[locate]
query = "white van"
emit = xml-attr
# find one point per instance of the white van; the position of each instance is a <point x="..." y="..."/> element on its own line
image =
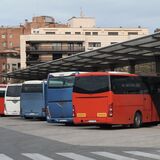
<point x="12" y="99"/>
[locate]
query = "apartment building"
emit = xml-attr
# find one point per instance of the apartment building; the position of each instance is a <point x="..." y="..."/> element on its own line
<point x="45" y="44"/>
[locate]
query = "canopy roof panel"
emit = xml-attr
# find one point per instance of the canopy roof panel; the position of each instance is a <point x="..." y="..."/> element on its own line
<point x="140" y="50"/>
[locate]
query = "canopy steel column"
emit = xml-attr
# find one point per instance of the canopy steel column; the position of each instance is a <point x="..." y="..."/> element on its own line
<point x="112" y="67"/>
<point x="131" y="68"/>
<point x="157" y="64"/>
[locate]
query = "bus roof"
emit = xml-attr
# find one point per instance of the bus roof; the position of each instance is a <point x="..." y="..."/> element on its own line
<point x="59" y="74"/>
<point x="3" y="85"/>
<point x="2" y="89"/>
<point x="106" y="73"/>
<point x="33" y="82"/>
<point x="15" y="84"/>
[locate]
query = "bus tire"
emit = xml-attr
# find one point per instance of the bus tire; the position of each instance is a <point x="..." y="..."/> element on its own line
<point x="26" y="117"/>
<point x="105" y="126"/>
<point x="69" y="124"/>
<point x="137" y="123"/>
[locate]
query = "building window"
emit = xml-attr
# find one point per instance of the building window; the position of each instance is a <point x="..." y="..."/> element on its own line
<point x="11" y="44"/>
<point x="95" y="33"/>
<point x="19" y="65"/>
<point x="114" y="42"/>
<point x="4" y="44"/>
<point x="67" y="32"/>
<point x="3" y="36"/>
<point x="87" y="33"/>
<point x="132" y="33"/>
<point x="8" y="66"/>
<point x="50" y="32"/>
<point x="4" y="65"/>
<point x="77" y="33"/>
<point x="36" y="32"/>
<point x="94" y="44"/>
<point x="14" y="67"/>
<point x="113" y="33"/>
<point x="56" y="56"/>
<point x="11" y="36"/>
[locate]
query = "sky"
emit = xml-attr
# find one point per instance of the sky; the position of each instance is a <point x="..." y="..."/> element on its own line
<point x="108" y="13"/>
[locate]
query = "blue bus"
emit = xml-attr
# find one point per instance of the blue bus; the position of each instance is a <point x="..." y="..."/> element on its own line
<point x="33" y="99"/>
<point x="59" y="99"/>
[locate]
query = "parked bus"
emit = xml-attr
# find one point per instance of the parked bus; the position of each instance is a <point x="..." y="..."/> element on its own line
<point x="2" y="95"/>
<point x="116" y="98"/>
<point x="12" y="99"/>
<point x="59" y="95"/>
<point x="33" y="99"/>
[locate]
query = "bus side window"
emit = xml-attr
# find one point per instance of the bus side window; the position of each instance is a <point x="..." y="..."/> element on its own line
<point x="141" y="86"/>
<point x="128" y="85"/>
<point x="118" y="84"/>
<point x="156" y="89"/>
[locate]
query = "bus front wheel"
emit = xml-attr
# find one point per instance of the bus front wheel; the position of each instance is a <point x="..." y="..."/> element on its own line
<point x="137" y="120"/>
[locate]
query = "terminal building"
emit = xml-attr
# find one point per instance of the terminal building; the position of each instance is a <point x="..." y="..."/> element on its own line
<point x="80" y="35"/>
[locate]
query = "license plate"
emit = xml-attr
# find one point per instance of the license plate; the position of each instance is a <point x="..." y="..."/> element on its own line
<point x="81" y="115"/>
<point x="101" y="114"/>
<point x="92" y="121"/>
<point x="62" y="120"/>
<point x="32" y="114"/>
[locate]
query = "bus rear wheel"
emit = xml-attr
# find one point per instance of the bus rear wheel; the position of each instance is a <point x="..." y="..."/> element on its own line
<point x="105" y="126"/>
<point x="137" y="120"/>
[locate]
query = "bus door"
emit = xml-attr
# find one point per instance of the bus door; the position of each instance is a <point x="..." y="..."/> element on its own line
<point x="147" y="108"/>
<point x="151" y="97"/>
<point x="155" y="96"/>
<point x="147" y="100"/>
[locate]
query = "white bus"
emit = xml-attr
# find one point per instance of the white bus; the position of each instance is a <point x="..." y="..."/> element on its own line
<point x="12" y="99"/>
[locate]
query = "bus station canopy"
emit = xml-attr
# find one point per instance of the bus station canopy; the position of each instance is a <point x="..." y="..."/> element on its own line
<point x="135" y="51"/>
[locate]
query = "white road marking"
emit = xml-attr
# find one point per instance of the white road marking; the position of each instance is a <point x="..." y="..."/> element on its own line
<point x="4" y="157"/>
<point x="36" y="156"/>
<point x="113" y="156"/>
<point x="74" y="156"/>
<point x="144" y="154"/>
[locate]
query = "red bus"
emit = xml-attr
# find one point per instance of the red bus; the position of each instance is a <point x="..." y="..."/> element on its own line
<point x="2" y="95"/>
<point x="108" y="98"/>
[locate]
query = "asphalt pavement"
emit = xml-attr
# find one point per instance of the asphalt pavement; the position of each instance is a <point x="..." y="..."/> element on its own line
<point x="37" y="140"/>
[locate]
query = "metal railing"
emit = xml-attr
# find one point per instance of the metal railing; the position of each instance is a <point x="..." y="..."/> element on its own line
<point x="56" y="48"/>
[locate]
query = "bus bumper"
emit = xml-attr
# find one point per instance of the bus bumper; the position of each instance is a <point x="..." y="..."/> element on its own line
<point x="33" y="115"/>
<point x="108" y="120"/>
<point x="59" y="120"/>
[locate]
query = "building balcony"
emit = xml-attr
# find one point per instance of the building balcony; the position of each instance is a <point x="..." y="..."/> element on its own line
<point x="33" y="62"/>
<point x="56" y="49"/>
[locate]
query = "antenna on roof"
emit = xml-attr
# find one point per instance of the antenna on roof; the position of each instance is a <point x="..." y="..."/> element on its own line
<point x="81" y="13"/>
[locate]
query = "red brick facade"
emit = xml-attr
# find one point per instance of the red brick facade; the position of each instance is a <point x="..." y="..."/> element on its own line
<point x="10" y="36"/>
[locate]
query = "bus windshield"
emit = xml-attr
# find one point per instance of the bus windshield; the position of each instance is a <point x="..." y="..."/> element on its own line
<point x="13" y="91"/>
<point x="32" y="88"/>
<point x="91" y="84"/>
<point x="61" y="82"/>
